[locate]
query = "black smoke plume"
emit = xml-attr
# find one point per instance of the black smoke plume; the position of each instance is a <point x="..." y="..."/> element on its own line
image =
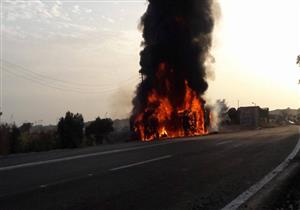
<point x="176" y="33"/>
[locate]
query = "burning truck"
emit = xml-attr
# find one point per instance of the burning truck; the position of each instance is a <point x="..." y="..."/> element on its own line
<point x="169" y="100"/>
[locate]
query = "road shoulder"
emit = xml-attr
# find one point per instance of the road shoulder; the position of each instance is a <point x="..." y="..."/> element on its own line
<point x="276" y="194"/>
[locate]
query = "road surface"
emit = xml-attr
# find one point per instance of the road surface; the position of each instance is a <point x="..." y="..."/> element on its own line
<point x="195" y="173"/>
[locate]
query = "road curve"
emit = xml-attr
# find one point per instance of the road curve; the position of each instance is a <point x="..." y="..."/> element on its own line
<point x="189" y="173"/>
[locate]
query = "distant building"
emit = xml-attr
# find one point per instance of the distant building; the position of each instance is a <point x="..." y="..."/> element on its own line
<point x="283" y="116"/>
<point x="253" y="116"/>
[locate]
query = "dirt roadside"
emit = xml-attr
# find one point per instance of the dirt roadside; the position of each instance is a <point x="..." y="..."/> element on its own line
<point x="282" y="193"/>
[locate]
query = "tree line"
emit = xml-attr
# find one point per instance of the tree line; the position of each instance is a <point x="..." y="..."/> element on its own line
<point x="71" y="132"/>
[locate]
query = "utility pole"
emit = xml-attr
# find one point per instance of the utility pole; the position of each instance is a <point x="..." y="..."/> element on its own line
<point x="298" y="63"/>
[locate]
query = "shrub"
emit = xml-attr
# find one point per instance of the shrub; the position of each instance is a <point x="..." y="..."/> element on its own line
<point x="70" y="130"/>
<point x="4" y="139"/>
<point x="97" y="130"/>
<point x="14" y="139"/>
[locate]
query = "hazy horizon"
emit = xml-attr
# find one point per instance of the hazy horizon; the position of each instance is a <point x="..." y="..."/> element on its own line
<point x="83" y="57"/>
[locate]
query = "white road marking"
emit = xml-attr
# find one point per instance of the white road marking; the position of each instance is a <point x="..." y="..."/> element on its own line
<point x="237" y="145"/>
<point x="141" y="163"/>
<point x="43" y="186"/>
<point x="224" y="142"/>
<point x="61" y="181"/>
<point x="245" y="196"/>
<point x="23" y="165"/>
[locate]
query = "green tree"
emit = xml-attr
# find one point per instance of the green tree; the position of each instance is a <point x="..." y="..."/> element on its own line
<point x="70" y="130"/>
<point x="14" y="139"/>
<point x="4" y="139"/>
<point x="42" y="141"/>
<point x="233" y="115"/>
<point x="99" y="129"/>
<point x="25" y="127"/>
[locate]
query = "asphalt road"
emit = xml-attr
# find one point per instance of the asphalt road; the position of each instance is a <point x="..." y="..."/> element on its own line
<point x="189" y="173"/>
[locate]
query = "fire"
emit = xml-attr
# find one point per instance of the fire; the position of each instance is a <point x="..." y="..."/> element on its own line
<point x="177" y="37"/>
<point x="169" y="114"/>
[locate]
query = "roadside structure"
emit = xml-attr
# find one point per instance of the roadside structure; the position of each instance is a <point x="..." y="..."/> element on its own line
<point x="253" y="116"/>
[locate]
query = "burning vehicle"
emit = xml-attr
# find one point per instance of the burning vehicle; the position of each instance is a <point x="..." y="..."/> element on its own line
<point x="169" y="100"/>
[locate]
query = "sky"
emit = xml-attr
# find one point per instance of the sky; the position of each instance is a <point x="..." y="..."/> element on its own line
<point x="83" y="56"/>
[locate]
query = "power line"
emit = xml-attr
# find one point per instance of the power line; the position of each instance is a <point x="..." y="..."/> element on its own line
<point x="33" y="77"/>
<point x="41" y="83"/>
<point x="46" y="77"/>
<point x="19" y="67"/>
<point x="58" y="88"/>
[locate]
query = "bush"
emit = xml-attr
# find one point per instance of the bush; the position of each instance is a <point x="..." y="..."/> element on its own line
<point x="14" y="139"/>
<point x="234" y="116"/>
<point x="4" y="139"/>
<point x="97" y="130"/>
<point x="70" y="130"/>
<point x="10" y="141"/>
<point x="25" y="127"/>
<point x="37" y="142"/>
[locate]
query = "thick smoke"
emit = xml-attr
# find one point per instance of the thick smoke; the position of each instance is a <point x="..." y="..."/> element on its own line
<point x="177" y="34"/>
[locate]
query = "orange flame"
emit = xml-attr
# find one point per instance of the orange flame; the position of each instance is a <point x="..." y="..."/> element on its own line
<point x="162" y="119"/>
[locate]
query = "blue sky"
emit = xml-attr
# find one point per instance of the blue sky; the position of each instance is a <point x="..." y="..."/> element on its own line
<point x="83" y="56"/>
